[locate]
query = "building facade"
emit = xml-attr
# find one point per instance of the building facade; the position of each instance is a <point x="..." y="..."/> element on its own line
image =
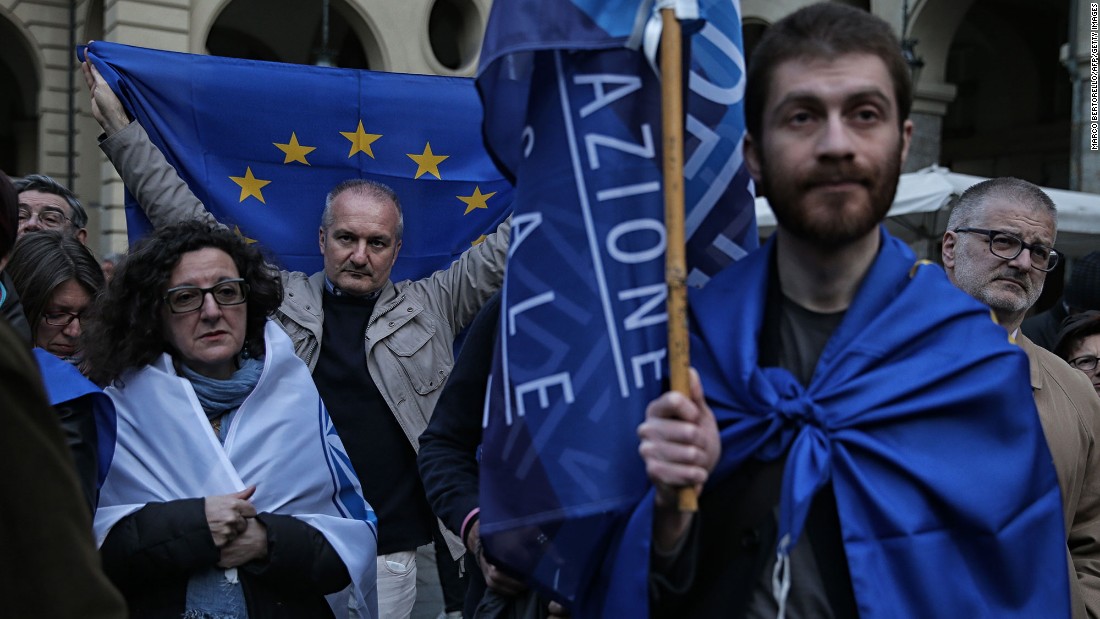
<point x="1004" y="86"/>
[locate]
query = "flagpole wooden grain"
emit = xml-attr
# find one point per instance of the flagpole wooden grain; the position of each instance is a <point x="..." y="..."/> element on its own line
<point x="672" y="130"/>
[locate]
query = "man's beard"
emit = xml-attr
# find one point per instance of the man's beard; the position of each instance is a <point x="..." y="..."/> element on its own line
<point x="835" y="225"/>
<point x="970" y="276"/>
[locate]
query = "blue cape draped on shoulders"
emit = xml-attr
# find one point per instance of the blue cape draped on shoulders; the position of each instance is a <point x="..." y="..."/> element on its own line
<point x="920" y="413"/>
<point x="65" y="383"/>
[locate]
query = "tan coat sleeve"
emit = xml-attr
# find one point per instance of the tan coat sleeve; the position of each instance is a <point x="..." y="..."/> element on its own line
<point x="156" y="186"/>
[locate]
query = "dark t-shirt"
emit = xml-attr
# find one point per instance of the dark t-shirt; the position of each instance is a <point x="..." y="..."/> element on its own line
<point x="381" y="454"/>
<point x="793" y="338"/>
<point x="726" y="566"/>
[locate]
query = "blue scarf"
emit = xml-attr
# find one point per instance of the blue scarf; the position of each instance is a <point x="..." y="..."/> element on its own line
<point x="219" y="397"/>
<point x="920" y="413"/>
<point x="65" y="383"/>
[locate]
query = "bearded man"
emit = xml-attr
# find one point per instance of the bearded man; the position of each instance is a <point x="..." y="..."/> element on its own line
<point x="857" y="422"/>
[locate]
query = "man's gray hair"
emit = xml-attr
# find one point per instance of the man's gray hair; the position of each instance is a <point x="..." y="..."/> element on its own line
<point x="971" y="201"/>
<point x="368" y="188"/>
<point x="45" y="184"/>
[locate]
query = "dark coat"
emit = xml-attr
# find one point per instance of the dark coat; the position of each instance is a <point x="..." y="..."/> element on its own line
<point x="50" y="567"/>
<point x="151" y="554"/>
<point x="448" y="447"/>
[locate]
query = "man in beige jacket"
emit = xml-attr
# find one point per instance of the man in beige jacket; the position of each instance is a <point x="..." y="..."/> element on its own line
<point x="998" y="248"/>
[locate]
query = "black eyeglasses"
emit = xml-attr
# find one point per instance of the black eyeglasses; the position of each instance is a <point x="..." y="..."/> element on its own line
<point x="60" y="319"/>
<point x="183" y="299"/>
<point x="49" y="218"/>
<point x="1007" y="246"/>
<point x="1086" y="363"/>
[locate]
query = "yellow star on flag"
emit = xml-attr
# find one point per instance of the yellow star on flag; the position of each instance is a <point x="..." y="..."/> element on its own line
<point x="360" y="141"/>
<point x="479" y="240"/>
<point x="477" y="200"/>
<point x="250" y="185"/>
<point x="237" y="231"/>
<point x="295" y="151"/>
<point x="427" y="161"/>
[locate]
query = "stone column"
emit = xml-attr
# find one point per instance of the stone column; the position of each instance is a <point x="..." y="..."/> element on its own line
<point x="164" y="24"/>
<point x="1084" y="70"/>
<point x="929" y="107"/>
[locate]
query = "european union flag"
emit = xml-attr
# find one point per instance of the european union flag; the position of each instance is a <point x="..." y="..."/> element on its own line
<point x="573" y="115"/>
<point x="262" y="143"/>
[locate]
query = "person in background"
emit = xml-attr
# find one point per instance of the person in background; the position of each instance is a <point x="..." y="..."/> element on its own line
<point x="1082" y="293"/>
<point x="108" y="264"/>
<point x="57" y="278"/>
<point x="229" y="494"/>
<point x="449" y="463"/>
<point x="1079" y="344"/>
<point x="44" y="204"/>
<point x="50" y="566"/>
<point x="448" y="457"/>
<point x="997" y="249"/>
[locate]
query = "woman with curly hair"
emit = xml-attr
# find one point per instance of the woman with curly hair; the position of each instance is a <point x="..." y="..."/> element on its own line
<point x="229" y="493"/>
<point x="57" y="278"/>
<point x="1079" y="344"/>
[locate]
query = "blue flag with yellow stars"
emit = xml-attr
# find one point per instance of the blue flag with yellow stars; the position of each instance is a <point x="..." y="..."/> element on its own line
<point x="262" y="143"/>
<point x="573" y="113"/>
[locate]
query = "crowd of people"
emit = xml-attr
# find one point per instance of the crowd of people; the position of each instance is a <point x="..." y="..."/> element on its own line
<point x="193" y="432"/>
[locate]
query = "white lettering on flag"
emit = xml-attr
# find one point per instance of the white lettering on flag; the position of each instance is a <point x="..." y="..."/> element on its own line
<point x="541" y="387"/>
<point x="655" y="358"/>
<point x="526" y="304"/>
<point x="642" y="317"/>
<point x="625" y="84"/>
<point x="645" y="149"/>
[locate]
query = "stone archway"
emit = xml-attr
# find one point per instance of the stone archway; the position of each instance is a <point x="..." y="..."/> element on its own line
<point x="932" y="24"/>
<point x="20" y="68"/>
<point x="1012" y="113"/>
<point x="282" y="31"/>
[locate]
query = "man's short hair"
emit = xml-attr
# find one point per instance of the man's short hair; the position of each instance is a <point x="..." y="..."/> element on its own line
<point x="365" y="187"/>
<point x="45" y="184"/>
<point x="825" y="30"/>
<point x="1016" y="190"/>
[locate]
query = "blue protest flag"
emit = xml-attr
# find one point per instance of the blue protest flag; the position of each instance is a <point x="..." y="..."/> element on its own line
<point x="573" y="116"/>
<point x="262" y="143"/>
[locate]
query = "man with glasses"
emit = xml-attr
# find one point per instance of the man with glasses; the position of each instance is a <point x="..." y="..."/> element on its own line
<point x="998" y="248"/>
<point x="44" y="204"/>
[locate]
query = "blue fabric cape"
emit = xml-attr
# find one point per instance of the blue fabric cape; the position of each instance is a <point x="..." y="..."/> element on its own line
<point x="65" y="383"/>
<point x="920" y="413"/>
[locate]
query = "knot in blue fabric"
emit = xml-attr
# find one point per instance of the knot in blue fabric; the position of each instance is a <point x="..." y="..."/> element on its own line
<point x="800" y="409"/>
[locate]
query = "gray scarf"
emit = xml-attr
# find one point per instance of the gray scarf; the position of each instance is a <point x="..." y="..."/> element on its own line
<point x="219" y="397"/>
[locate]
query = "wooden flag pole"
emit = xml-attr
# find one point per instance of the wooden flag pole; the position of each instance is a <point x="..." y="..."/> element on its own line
<point x="672" y="130"/>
